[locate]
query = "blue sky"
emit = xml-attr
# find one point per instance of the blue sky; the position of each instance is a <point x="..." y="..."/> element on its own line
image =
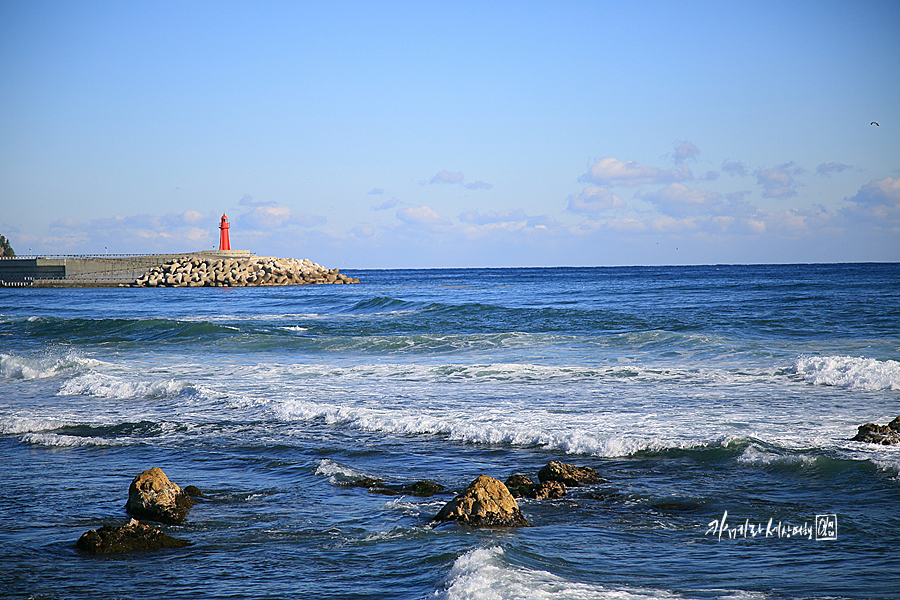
<point x="382" y="134"/>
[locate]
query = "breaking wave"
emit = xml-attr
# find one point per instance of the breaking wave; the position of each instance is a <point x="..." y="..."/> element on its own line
<point x="849" y="372"/>
<point x="484" y="573"/>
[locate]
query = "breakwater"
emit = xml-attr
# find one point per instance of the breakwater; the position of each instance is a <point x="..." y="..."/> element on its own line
<point x="213" y="268"/>
<point x="207" y="272"/>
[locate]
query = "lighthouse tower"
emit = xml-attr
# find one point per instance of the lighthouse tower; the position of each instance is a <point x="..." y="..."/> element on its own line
<point x="224" y="242"/>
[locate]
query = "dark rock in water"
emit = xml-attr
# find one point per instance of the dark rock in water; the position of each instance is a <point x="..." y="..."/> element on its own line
<point x="131" y="537"/>
<point x="879" y="434"/>
<point x="569" y="475"/>
<point x="485" y="503"/>
<point x="378" y="486"/>
<point x="423" y="488"/>
<point x="193" y="491"/>
<point x="549" y="490"/>
<point x="366" y="482"/>
<point x="521" y="486"/>
<point x="152" y="496"/>
<point x="419" y="488"/>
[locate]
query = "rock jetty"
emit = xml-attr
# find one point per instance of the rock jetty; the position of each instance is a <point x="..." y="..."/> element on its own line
<point x="131" y="537"/>
<point x="152" y="496"/>
<point x="485" y="503"/>
<point x="879" y="434"/>
<point x="206" y="272"/>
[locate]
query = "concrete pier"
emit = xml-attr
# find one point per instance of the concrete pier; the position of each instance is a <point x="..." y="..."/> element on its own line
<point x="93" y="270"/>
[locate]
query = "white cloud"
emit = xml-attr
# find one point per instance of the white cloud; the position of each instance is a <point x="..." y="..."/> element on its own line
<point x="193" y="217"/>
<point x="422" y="215"/>
<point x="594" y="199"/>
<point x="386" y="204"/>
<point x="778" y="182"/>
<point x="734" y="167"/>
<point x="375" y="191"/>
<point x="266" y="217"/>
<point x="826" y="169"/>
<point x="505" y="216"/>
<point x="677" y="199"/>
<point x="447" y="177"/>
<point x="479" y="185"/>
<point x="685" y="151"/>
<point x="247" y="200"/>
<point x="614" y="172"/>
<point x="876" y="203"/>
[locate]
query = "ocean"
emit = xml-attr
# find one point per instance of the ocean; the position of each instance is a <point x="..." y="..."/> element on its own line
<point x="717" y="401"/>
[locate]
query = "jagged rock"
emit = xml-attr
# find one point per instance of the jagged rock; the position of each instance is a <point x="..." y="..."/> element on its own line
<point x="152" y="496"/>
<point x="485" y="503"/>
<point x="569" y="475"/>
<point x="521" y="486"/>
<point x="879" y="434"/>
<point x="131" y="537"/>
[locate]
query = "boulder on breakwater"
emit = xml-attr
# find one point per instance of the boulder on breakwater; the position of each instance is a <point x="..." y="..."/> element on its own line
<point x="131" y="537"/>
<point x="206" y="272"/>
<point x="879" y="434"/>
<point x="152" y="496"/>
<point x="485" y="503"/>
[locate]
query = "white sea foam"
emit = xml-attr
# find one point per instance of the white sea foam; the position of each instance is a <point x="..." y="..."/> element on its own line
<point x="99" y="385"/>
<point x="53" y="439"/>
<point x="15" y="424"/>
<point x="755" y="454"/>
<point x="485" y="574"/>
<point x="850" y="372"/>
<point x="19" y="367"/>
<point x="337" y="472"/>
<point x="489" y="427"/>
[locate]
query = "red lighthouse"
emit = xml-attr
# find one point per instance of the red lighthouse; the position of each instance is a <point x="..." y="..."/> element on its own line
<point x="224" y="242"/>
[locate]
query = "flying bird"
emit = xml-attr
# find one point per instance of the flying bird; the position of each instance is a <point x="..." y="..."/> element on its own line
<point x="875" y="123"/>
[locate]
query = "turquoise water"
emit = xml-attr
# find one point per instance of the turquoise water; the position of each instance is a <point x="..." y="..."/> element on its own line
<point x="696" y="391"/>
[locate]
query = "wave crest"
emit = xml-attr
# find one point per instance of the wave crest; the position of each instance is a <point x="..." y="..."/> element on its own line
<point x="483" y="573"/>
<point x="849" y="372"/>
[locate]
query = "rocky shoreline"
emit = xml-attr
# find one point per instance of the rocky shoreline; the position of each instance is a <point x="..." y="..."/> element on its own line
<point x="231" y="272"/>
<point x="485" y="503"/>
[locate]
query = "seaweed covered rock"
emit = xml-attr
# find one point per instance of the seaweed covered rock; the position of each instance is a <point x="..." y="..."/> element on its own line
<point x="879" y="434"/>
<point x="569" y="475"/>
<point x="521" y="486"/>
<point x="485" y="503"/>
<point x="152" y="496"/>
<point x="131" y="537"/>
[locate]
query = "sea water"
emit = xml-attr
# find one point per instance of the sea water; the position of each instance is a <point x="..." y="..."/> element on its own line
<point x="718" y="402"/>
